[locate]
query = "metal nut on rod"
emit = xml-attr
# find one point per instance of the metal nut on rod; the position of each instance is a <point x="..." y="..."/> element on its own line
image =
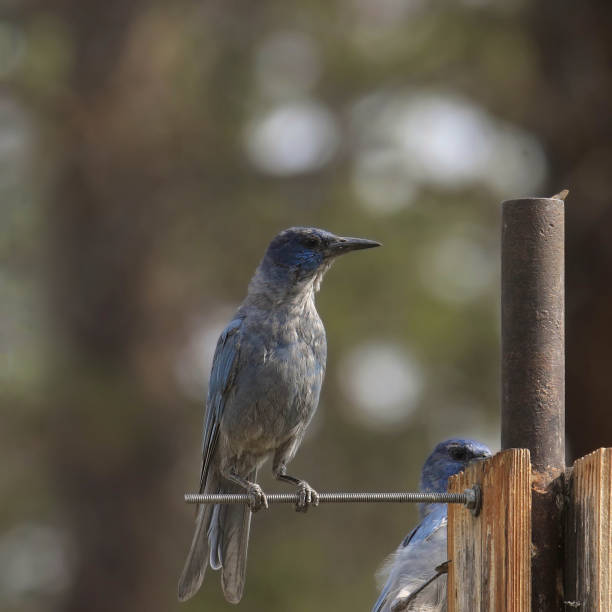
<point x="474" y="501"/>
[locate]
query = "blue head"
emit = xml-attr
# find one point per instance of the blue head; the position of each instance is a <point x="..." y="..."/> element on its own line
<point x="305" y="253"/>
<point x="448" y="458"/>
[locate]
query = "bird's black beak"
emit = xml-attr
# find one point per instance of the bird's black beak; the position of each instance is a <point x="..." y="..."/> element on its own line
<point x="478" y="458"/>
<point x="343" y="245"/>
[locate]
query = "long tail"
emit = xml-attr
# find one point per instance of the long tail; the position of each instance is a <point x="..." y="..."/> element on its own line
<point x="197" y="559"/>
<point x="231" y="540"/>
<point x="222" y="532"/>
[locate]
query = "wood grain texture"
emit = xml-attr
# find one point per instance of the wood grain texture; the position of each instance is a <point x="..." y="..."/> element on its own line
<point x="490" y="569"/>
<point x="588" y="570"/>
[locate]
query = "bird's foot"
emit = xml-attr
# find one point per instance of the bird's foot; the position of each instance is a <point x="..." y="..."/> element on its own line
<point x="307" y="497"/>
<point x="257" y="498"/>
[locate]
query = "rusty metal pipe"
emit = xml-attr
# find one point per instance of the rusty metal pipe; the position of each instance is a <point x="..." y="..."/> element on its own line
<point x="533" y="330"/>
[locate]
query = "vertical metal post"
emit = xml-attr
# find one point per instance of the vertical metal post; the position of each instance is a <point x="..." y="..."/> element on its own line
<point x="533" y="372"/>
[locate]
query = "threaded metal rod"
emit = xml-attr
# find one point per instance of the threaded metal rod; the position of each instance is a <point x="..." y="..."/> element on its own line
<point x="469" y="498"/>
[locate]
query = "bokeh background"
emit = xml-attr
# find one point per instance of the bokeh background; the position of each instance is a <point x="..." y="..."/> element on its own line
<point x="149" y="151"/>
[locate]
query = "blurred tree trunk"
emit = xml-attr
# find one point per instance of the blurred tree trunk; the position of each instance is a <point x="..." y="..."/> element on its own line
<point x="570" y="113"/>
<point x="111" y="440"/>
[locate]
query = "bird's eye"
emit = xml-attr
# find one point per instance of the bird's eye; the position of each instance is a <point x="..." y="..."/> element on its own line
<point x="459" y="453"/>
<point x="311" y="242"/>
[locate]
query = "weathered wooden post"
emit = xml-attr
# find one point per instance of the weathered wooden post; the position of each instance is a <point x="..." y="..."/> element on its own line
<point x="490" y="554"/>
<point x="588" y="540"/>
<point x="510" y="558"/>
<point x="533" y="373"/>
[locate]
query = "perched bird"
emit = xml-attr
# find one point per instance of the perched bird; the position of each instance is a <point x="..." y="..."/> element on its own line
<point x="264" y="389"/>
<point x="415" y="573"/>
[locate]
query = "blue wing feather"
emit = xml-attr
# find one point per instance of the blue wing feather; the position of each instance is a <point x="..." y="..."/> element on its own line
<point x="430" y="524"/>
<point x="222" y="378"/>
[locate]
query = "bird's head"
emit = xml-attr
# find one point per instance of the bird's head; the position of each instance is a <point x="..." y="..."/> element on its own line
<point x="301" y="254"/>
<point x="448" y="458"/>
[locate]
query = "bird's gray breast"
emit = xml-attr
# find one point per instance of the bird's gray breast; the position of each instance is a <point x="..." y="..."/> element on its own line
<point x="280" y="373"/>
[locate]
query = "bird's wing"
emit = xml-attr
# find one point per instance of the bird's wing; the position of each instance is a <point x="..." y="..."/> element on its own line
<point x="222" y="378"/>
<point x="414" y="562"/>
<point x="384" y="574"/>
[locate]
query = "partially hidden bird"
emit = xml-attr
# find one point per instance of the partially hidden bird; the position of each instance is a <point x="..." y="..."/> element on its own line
<point x="264" y="388"/>
<point x="414" y="575"/>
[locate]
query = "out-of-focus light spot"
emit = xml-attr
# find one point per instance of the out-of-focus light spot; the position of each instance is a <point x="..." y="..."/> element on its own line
<point x="194" y="362"/>
<point x="457" y="269"/>
<point x="383" y="13"/>
<point x="12" y="47"/>
<point x="381" y="182"/>
<point x="292" y="138"/>
<point x="287" y="64"/>
<point x="14" y="132"/>
<point x="382" y="382"/>
<point x="33" y="559"/>
<point x="444" y="141"/>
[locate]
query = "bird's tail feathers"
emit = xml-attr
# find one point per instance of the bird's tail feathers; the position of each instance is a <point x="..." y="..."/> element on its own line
<point x="221" y="538"/>
<point x="231" y="543"/>
<point x="214" y="539"/>
<point x="197" y="559"/>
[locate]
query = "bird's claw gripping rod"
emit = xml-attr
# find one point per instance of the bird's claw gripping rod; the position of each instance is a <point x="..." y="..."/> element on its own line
<point x="471" y="498"/>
